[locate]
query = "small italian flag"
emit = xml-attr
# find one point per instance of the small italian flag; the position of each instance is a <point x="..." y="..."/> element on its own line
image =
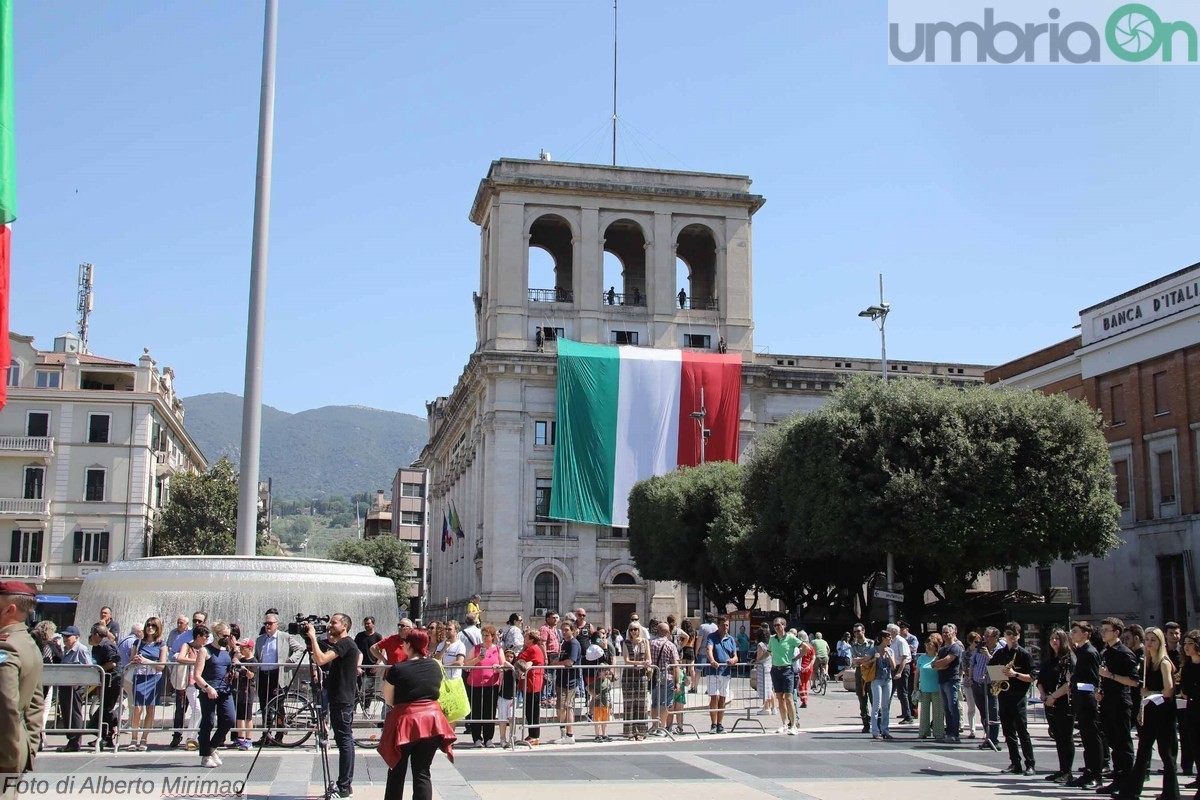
<point x="8" y="184"/>
<point x="626" y="414"/>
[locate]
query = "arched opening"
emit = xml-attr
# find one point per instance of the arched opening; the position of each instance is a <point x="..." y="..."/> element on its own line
<point x="552" y="234"/>
<point x="697" y="248"/>
<point x="624" y="242"/>
<point x="541" y="268"/>
<point x="624" y="579"/>
<point x="614" y="280"/>
<point x="545" y="592"/>
<point x="683" y="280"/>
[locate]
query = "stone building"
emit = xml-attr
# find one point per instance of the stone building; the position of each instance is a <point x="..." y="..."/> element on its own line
<point x="491" y="440"/>
<point x="88" y="447"/>
<point x="1137" y="361"/>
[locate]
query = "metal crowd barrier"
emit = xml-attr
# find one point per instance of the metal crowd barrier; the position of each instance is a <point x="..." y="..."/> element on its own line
<point x="80" y="685"/>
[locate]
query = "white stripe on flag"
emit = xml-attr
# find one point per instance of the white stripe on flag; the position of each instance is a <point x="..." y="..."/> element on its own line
<point x="647" y="421"/>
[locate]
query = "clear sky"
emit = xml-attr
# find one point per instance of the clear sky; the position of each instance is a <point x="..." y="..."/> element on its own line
<point x="998" y="201"/>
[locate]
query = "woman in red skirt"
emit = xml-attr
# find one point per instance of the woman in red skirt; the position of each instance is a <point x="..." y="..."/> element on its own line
<point x="415" y="728"/>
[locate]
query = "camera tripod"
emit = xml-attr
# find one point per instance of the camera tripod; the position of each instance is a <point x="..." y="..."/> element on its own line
<point x="319" y="723"/>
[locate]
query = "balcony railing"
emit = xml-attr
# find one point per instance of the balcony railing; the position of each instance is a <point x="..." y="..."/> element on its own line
<point x="17" y="507"/>
<point x="27" y="445"/>
<point x="623" y="299"/>
<point x="26" y="572"/>
<point x="551" y="296"/>
<point x="697" y="304"/>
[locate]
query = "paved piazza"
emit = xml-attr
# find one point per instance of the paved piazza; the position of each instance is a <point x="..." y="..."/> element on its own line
<point x="829" y="760"/>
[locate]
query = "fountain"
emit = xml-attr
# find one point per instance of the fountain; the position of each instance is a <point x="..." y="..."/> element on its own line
<point x="236" y="589"/>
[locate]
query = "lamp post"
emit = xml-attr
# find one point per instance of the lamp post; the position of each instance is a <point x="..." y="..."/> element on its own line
<point x="879" y="314"/>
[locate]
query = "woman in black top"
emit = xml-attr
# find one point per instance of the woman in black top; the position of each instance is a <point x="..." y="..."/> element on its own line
<point x="1055" y="673"/>
<point x="1189" y="689"/>
<point x="416" y="728"/>
<point x="1157" y="720"/>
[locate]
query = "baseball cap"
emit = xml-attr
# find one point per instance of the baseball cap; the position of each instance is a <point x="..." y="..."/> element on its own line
<point x="594" y="652"/>
<point x="16" y="587"/>
<point x="246" y="643"/>
<point x="70" y="630"/>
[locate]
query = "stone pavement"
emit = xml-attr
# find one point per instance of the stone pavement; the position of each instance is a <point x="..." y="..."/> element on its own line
<point x="829" y="760"/>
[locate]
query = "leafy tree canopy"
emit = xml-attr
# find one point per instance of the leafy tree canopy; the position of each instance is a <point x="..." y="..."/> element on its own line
<point x="201" y="516"/>
<point x="390" y="558"/>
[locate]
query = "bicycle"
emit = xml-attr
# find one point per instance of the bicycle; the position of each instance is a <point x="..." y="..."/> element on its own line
<point x="370" y="710"/>
<point x="820" y="684"/>
<point x="291" y="719"/>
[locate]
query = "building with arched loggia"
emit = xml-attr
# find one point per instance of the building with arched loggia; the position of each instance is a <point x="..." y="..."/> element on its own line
<point x="617" y="255"/>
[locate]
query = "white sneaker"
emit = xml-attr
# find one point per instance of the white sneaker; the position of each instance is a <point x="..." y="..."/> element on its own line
<point x="216" y="758"/>
<point x="208" y="762"/>
<point x="782" y="729"/>
<point x="792" y="731"/>
<point x="565" y="740"/>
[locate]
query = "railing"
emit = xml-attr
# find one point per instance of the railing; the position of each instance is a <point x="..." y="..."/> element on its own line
<point x="551" y="296"/>
<point x="16" y="507"/>
<point x="30" y="571"/>
<point x="634" y="298"/>
<point x="24" y="445"/>
<point x="697" y="304"/>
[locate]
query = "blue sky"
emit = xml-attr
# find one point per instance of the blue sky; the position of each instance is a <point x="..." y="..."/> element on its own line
<point x="998" y="201"/>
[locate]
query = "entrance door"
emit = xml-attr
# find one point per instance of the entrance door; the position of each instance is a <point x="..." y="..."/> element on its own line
<point x="621" y="612"/>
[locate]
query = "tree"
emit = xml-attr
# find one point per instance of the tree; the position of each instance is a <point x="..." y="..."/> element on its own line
<point x="201" y="516"/>
<point x="390" y="558"/>
<point x="954" y="482"/>
<point x="690" y="525"/>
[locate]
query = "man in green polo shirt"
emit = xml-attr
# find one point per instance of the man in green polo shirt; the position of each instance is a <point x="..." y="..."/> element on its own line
<point x="822" y="647"/>
<point x="783" y="647"/>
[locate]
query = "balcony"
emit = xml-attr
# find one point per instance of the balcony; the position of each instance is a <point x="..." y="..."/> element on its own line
<point x="27" y="446"/>
<point x="698" y="304"/>
<point x="551" y="296"/>
<point x="35" y="572"/>
<point x="24" y="509"/>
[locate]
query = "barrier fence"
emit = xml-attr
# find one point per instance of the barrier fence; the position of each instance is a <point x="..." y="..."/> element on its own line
<point x="601" y="702"/>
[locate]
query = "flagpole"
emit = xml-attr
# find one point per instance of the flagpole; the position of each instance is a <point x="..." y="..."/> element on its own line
<point x="247" y="526"/>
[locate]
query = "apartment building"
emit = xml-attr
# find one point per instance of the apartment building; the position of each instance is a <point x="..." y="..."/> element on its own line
<point x="409" y="525"/>
<point x="88" y="448"/>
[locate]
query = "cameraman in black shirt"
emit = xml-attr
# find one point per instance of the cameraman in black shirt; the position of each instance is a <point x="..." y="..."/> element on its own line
<point x="341" y="655"/>
<point x="1085" y="682"/>
<point x="1118" y="674"/>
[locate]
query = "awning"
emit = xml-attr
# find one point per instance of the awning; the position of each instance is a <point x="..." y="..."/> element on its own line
<point x="60" y="599"/>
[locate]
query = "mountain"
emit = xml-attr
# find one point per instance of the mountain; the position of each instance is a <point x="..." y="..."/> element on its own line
<point x="335" y="450"/>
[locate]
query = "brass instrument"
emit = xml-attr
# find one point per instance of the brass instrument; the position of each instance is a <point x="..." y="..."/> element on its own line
<point x="999" y="687"/>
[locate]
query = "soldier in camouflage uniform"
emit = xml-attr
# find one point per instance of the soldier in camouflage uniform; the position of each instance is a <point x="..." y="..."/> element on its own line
<point x="21" y="698"/>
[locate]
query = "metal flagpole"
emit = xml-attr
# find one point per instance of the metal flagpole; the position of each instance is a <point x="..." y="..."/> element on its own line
<point x="247" y="527"/>
<point x="614" y="154"/>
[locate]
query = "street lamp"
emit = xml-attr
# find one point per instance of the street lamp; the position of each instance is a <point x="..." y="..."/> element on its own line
<point x="879" y="314"/>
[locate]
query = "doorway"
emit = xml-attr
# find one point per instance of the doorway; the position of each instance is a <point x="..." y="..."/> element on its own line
<point x="621" y="612"/>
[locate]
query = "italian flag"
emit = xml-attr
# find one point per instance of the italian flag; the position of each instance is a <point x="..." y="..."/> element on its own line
<point x="8" y="184"/>
<point x="625" y="414"/>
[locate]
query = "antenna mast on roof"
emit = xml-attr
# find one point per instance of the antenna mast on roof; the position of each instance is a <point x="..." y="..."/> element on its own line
<point x="84" y="304"/>
<point x="614" y="119"/>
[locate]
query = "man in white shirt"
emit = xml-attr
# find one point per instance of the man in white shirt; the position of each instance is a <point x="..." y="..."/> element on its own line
<point x="273" y="648"/>
<point x="902" y="686"/>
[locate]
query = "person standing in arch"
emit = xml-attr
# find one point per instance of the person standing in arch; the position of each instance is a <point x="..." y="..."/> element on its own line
<point x="682" y="298"/>
<point x="611" y="295"/>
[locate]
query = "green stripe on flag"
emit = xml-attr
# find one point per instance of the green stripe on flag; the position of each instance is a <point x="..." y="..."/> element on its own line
<point x="8" y="174"/>
<point x="586" y="437"/>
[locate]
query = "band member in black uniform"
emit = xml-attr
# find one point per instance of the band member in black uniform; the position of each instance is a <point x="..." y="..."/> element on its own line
<point x="1018" y="674"/>
<point x="1187" y="694"/>
<point x="1085" y="681"/>
<point x="1054" y="681"/>
<point x="1157" y="720"/>
<point x="1185" y="747"/>
<point x="1118" y="674"/>
<point x="1134" y="638"/>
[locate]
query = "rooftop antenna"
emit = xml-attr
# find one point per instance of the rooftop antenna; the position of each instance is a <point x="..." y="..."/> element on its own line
<point x="84" y="304"/>
<point x="614" y="118"/>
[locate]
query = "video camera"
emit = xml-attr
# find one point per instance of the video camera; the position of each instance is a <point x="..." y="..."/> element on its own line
<point x="300" y="627"/>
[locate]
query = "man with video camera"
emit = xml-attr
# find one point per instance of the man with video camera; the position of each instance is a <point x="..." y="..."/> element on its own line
<point x="341" y="655"/>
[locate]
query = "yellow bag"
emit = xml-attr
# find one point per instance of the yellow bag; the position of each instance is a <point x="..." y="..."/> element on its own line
<point x="868" y="670"/>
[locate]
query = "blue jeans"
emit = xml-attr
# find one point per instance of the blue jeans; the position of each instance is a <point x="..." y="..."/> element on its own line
<point x="223" y="707"/>
<point x="341" y="719"/>
<point x="881" y="706"/>
<point x="949" y="691"/>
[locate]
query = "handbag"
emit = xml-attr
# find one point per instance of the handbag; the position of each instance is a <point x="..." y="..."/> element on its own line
<point x="868" y="670"/>
<point x="453" y="697"/>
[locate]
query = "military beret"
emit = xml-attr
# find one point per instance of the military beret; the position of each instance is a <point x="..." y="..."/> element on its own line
<point x="16" y="587"/>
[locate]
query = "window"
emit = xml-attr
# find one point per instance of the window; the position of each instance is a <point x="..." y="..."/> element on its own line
<point x="1043" y="578"/>
<point x="541" y="498"/>
<point x="98" y="428"/>
<point x="1162" y="403"/>
<point x="410" y="517"/>
<point x="1011" y="580"/>
<point x="94" y="486"/>
<point x="545" y="591"/>
<point x="1166" y="476"/>
<point x="619" y="533"/>
<point x="543" y="432"/>
<point x="91" y="547"/>
<point x="410" y="490"/>
<point x="48" y="380"/>
<point x="697" y="340"/>
<point x="37" y="423"/>
<point x="624" y="579"/>
<point x="1121" y="478"/>
<point x="624" y="337"/>
<point x="14" y="373"/>
<point x="35" y="483"/>
<point x="553" y="334"/>
<point x="1083" y="589"/>
<point x="26" y="547"/>
<point x="162" y="492"/>
<point x="1116" y="405"/>
<point x="1173" y="589"/>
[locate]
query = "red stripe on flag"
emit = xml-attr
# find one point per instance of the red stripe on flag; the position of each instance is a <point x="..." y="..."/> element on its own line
<point x="5" y="345"/>
<point x="721" y="378"/>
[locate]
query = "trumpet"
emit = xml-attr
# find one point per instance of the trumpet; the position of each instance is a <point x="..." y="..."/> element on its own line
<point x="999" y="687"/>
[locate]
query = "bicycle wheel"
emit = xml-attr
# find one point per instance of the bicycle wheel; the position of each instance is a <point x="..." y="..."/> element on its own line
<point x="291" y="718"/>
<point x="821" y="683"/>
<point x="369" y="718"/>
